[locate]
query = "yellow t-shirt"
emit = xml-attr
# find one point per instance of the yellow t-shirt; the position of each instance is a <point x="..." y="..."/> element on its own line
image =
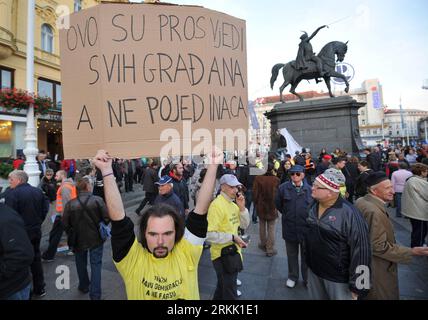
<point x="169" y="278"/>
<point x="223" y="216"/>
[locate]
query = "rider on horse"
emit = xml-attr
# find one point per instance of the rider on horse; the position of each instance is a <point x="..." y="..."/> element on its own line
<point x="306" y="54"/>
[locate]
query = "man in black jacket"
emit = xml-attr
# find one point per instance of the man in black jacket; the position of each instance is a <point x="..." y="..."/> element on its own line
<point x="82" y="216"/>
<point x="338" y="252"/>
<point x="180" y="185"/>
<point x="149" y="180"/>
<point x="167" y="196"/>
<point x="32" y="205"/>
<point x="16" y="256"/>
<point x="374" y="159"/>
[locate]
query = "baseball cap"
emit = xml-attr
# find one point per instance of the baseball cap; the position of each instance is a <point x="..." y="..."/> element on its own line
<point x="296" y="168"/>
<point x="230" y="180"/>
<point x="164" y="180"/>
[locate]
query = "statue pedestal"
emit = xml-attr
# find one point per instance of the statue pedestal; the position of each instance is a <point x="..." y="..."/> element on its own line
<point x="322" y="123"/>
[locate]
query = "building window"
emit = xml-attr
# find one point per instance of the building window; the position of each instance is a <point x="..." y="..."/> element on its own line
<point x="47" y="38"/>
<point x="374" y="131"/>
<point x="51" y="89"/>
<point x="77" y="5"/>
<point x="363" y="122"/>
<point x="6" y="78"/>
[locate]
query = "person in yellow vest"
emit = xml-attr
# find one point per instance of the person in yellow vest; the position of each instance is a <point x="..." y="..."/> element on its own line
<point x="224" y="218"/>
<point x="163" y="265"/>
<point x="65" y="193"/>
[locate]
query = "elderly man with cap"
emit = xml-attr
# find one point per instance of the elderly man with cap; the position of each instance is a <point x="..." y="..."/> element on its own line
<point x="225" y="214"/>
<point x="386" y="252"/>
<point x="293" y="200"/>
<point x="167" y="196"/>
<point x="337" y="243"/>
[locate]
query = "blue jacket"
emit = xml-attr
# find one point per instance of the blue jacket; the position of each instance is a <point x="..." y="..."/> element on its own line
<point x="30" y="203"/>
<point x="173" y="200"/>
<point x="294" y="208"/>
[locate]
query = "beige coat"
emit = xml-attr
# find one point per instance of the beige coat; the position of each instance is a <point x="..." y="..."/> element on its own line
<point x="414" y="201"/>
<point x="386" y="253"/>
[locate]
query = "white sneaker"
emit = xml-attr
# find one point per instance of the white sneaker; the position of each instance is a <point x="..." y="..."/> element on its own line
<point x="290" y="283"/>
<point x="238" y="282"/>
<point x="238" y="293"/>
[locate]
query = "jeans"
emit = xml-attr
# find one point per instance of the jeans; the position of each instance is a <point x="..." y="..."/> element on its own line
<point x="267" y="234"/>
<point x="150" y="198"/>
<point x="23" y="294"/>
<point x="226" y="282"/>
<point x="398" y="204"/>
<point x="129" y="180"/>
<point x="248" y="202"/>
<point x="419" y="232"/>
<point x="293" y="260"/>
<point x="248" y="199"/>
<point x="36" y="265"/>
<point x="321" y="289"/>
<point x="54" y="238"/>
<point x="95" y="257"/>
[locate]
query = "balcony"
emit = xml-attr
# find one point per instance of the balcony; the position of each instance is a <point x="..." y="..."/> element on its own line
<point x="7" y="44"/>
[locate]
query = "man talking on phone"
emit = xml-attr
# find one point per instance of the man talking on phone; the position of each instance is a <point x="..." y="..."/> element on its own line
<point x="224" y="218"/>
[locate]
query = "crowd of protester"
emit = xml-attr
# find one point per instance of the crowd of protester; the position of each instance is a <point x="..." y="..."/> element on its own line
<point x="316" y="198"/>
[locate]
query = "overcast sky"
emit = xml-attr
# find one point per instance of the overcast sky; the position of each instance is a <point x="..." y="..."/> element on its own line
<point x="387" y="40"/>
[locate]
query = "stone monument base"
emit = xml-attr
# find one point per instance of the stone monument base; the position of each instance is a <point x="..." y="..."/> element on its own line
<point x="322" y="123"/>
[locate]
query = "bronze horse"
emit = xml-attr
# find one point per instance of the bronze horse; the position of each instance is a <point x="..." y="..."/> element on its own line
<point x="293" y="76"/>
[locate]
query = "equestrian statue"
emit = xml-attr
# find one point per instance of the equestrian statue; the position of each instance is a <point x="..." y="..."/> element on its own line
<point x="308" y="65"/>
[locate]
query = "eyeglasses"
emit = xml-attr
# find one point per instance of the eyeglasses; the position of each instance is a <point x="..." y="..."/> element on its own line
<point x="318" y="187"/>
<point x="295" y="173"/>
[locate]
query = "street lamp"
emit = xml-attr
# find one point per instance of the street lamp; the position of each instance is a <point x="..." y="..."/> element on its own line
<point x="425" y="86"/>
<point x="30" y="151"/>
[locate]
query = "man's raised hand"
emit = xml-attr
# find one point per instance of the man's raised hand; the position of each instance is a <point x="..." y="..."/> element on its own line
<point x="103" y="161"/>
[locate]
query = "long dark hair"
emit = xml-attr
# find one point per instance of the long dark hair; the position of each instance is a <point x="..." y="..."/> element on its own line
<point x="159" y="211"/>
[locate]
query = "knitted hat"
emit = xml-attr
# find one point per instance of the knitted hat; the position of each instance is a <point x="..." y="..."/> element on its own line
<point x="332" y="179"/>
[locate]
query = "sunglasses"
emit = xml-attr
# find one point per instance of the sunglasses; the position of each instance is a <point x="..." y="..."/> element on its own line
<point x="295" y="173"/>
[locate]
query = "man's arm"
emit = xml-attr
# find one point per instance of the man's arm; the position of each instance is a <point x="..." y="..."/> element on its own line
<point x="315" y="32"/>
<point x="207" y="187"/>
<point x="17" y="251"/>
<point x="10" y="200"/>
<point x="384" y="249"/>
<point x="122" y="233"/>
<point x="360" y="250"/>
<point x="197" y="222"/>
<point x="114" y="202"/>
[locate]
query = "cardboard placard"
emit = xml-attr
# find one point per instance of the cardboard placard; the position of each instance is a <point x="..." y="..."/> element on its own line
<point x="136" y="74"/>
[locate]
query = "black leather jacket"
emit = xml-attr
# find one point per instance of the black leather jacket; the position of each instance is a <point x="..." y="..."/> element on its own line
<point x="75" y="217"/>
<point x="337" y="243"/>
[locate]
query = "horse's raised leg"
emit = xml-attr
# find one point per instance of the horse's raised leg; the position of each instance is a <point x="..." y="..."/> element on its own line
<point x="281" y="89"/>
<point x="341" y="76"/>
